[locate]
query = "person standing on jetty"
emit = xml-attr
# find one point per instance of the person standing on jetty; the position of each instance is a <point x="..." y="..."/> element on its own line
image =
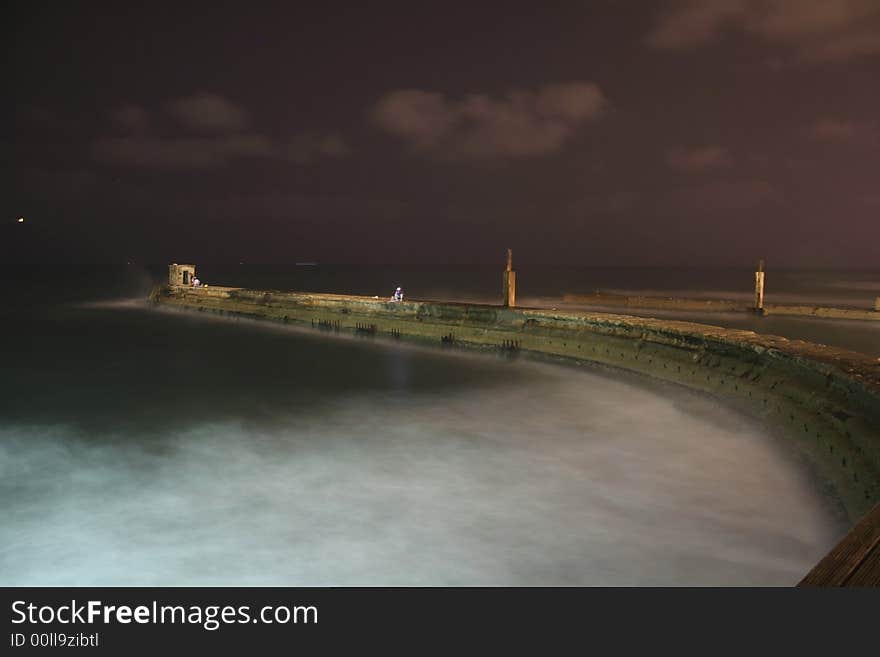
<point x="398" y="295"/>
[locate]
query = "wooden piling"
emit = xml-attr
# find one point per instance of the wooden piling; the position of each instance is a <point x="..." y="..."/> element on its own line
<point x="759" y="289"/>
<point x="508" y="286"/>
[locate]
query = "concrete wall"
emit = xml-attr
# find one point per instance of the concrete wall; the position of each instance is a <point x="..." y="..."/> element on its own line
<point x="181" y="274"/>
<point x="720" y="305"/>
<point x="826" y="400"/>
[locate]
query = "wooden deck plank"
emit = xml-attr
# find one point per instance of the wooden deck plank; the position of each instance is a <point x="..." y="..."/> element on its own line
<point x="855" y="560"/>
<point x="868" y="572"/>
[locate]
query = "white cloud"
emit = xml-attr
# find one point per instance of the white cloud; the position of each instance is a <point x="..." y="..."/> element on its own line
<point x="523" y="123"/>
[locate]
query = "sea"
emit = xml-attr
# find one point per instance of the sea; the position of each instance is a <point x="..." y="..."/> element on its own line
<point x="146" y="446"/>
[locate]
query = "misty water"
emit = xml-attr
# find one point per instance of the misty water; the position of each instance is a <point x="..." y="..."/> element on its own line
<point x="140" y="446"/>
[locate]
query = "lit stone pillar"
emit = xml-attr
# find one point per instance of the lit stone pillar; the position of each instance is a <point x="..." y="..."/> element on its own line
<point x="877" y="304"/>
<point x="759" y="288"/>
<point x="181" y="274"/>
<point x="508" y="288"/>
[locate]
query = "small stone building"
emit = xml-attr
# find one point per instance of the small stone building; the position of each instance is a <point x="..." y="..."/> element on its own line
<point x="181" y="274"/>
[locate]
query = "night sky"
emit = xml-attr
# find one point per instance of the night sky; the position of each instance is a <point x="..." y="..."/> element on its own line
<point x="589" y="133"/>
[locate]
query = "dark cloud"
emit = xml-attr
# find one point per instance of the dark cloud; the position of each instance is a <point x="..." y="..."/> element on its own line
<point x="181" y="153"/>
<point x="208" y="112"/>
<point x="846" y="130"/>
<point x="871" y="200"/>
<point x="38" y="114"/>
<point x="61" y="185"/>
<point x="131" y="118"/>
<point x="707" y="200"/>
<point x="209" y="135"/>
<point x="523" y="123"/>
<point x="319" y="208"/>
<point x="813" y="30"/>
<point x="695" y="160"/>
<point x="266" y="120"/>
<point x="215" y="151"/>
<point x="46" y="120"/>
<point x="308" y="146"/>
<point x="613" y="203"/>
<point x="200" y="113"/>
<point x="688" y="23"/>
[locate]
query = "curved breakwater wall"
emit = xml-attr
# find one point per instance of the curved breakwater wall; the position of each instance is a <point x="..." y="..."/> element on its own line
<point x="826" y="400"/>
<point x="720" y="306"/>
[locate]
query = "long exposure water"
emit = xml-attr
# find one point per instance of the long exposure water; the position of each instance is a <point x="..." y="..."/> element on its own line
<point x="142" y="446"/>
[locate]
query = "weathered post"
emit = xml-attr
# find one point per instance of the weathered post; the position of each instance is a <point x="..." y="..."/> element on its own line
<point x="508" y="288"/>
<point x="759" y="289"/>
